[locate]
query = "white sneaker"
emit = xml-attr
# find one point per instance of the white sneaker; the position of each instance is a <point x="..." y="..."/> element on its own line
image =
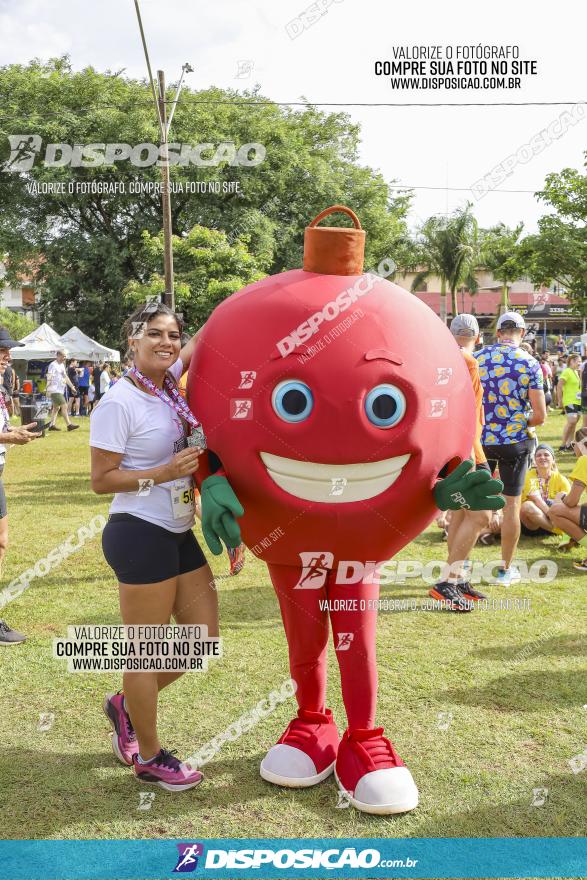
<point x="508" y="576"/>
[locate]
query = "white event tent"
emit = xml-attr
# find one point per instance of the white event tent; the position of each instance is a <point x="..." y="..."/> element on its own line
<point x="40" y="345"/>
<point x="78" y="345"/>
<point x="43" y="343"/>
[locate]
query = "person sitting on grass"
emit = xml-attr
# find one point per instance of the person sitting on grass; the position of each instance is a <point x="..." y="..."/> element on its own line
<point x="568" y="514"/>
<point x="543" y="486"/>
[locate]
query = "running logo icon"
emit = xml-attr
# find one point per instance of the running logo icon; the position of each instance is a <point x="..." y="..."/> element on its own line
<point x="443" y="375"/>
<point x="23" y="151"/>
<point x="188" y="857"/>
<point x="315" y="568"/>
<point x="247" y="378"/>
<point x="241" y="409"/>
<point x="344" y="641"/>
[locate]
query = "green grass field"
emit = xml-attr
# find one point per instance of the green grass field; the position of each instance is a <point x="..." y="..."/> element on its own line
<point x="513" y="680"/>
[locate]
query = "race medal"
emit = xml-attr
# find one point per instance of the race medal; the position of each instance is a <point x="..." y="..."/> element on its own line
<point x="182" y="498"/>
<point x="196" y="439"/>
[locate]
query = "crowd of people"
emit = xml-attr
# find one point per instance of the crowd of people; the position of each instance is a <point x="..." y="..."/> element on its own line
<point x="514" y="391"/>
<point x="76" y="387"/>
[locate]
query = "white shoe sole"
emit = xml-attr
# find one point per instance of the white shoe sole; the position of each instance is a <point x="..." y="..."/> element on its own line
<point x="299" y="782"/>
<point x="167" y="786"/>
<point x="117" y="753"/>
<point x="379" y="809"/>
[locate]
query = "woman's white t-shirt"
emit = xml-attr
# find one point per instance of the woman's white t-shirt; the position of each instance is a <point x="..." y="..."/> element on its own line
<point x="105" y="382"/>
<point x="148" y="433"/>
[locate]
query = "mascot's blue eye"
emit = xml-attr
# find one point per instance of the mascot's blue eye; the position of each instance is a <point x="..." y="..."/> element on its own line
<point x="292" y="401"/>
<point x="385" y="406"/>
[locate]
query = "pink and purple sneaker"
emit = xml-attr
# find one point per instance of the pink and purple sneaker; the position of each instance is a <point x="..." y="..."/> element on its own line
<point x="124" y="739"/>
<point x="166" y="771"/>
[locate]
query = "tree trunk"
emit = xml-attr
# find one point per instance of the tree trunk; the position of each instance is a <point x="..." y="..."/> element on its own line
<point x="504" y="299"/>
<point x="443" y="300"/>
<point x="453" y="303"/>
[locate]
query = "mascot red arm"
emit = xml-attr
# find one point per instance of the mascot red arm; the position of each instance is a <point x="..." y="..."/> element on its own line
<point x="334" y="401"/>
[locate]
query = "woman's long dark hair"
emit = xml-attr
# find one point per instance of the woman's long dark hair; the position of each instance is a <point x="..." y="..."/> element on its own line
<point x="143" y="315"/>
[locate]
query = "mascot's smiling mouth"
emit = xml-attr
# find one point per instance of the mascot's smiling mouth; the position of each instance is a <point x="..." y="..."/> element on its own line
<point x="333" y="483"/>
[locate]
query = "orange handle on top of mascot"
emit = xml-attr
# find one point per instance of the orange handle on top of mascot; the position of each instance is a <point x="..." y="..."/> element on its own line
<point x="334" y="250"/>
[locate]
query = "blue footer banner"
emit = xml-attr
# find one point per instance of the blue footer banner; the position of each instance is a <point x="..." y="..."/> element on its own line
<point x="332" y="857"/>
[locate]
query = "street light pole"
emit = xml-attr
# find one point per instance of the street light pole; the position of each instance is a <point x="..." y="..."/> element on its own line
<point x="164" y="125"/>
<point x="169" y="295"/>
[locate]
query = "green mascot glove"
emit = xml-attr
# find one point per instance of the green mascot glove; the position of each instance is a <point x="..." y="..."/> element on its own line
<point x="220" y="506"/>
<point x="469" y="489"/>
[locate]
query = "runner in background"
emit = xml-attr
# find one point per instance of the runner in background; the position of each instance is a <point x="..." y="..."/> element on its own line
<point x="584" y="393"/>
<point x="73" y="376"/>
<point x="84" y="384"/>
<point x="105" y="380"/>
<point x="513" y="401"/>
<point x="547" y="377"/>
<point x="465" y="526"/>
<point x="57" y="380"/>
<point x="569" y="391"/>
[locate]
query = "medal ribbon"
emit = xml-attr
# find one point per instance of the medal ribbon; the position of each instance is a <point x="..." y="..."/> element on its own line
<point x="169" y="394"/>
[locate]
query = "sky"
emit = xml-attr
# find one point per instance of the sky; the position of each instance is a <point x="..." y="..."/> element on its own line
<point x="238" y="45"/>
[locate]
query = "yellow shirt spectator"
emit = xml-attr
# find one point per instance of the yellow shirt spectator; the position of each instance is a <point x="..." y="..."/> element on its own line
<point x="550" y="487"/>
<point x="579" y="472"/>
<point x="571" y="387"/>
<point x="555" y="484"/>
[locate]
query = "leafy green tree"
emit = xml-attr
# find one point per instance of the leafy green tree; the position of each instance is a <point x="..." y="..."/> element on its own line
<point x="449" y="247"/>
<point x="17" y="325"/>
<point x="558" y="252"/>
<point x="503" y="254"/>
<point x="92" y="244"/>
<point x="208" y="268"/>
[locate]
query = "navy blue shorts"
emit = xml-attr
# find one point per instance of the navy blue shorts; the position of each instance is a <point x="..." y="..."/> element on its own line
<point x="139" y="552"/>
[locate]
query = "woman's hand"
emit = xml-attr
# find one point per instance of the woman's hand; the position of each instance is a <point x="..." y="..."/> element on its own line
<point x="184" y="463"/>
<point x="22" y="435"/>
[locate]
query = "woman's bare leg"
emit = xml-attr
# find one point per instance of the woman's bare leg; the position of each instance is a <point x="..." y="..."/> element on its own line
<point x="145" y="604"/>
<point x="196" y="602"/>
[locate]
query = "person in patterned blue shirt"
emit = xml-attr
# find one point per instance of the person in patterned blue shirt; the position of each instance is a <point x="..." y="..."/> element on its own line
<point x="513" y="401"/>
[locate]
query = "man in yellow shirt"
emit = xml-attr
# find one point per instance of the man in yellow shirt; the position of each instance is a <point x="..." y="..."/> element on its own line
<point x="569" y="514"/>
<point x="543" y="486"/>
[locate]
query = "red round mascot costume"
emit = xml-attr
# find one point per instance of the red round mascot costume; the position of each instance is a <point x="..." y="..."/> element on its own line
<point x="335" y="402"/>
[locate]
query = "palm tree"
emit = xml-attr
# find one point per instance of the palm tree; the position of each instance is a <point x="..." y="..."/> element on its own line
<point x="449" y="248"/>
<point x="502" y="254"/>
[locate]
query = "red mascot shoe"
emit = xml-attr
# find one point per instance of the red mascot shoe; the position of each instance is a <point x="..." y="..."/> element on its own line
<point x="372" y="775"/>
<point x="306" y="753"/>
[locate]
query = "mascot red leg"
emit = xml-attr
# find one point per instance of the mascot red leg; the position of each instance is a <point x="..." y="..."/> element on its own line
<point x="366" y="765"/>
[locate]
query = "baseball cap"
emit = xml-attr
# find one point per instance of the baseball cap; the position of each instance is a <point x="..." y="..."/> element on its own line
<point x="511" y="318"/>
<point x="464" y="325"/>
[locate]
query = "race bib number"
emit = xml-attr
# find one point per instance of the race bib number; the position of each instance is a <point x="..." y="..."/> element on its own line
<point x="182" y="498"/>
